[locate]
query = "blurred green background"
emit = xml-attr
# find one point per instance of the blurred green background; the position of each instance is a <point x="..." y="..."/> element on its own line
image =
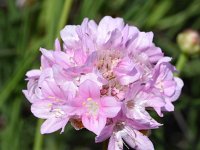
<point x="26" y="25"/>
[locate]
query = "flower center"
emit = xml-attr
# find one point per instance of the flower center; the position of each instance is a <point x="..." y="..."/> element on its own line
<point x="91" y="106"/>
<point x="160" y="86"/>
<point x="119" y="126"/>
<point x="107" y="61"/>
<point x="130" y="104"/>
<point x="58" y="112"/>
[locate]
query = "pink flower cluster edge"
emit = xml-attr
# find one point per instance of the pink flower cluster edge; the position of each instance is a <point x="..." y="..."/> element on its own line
<point x="104" y="78"/>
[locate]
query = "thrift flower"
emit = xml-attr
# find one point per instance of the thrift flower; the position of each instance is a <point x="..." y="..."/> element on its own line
<point x="104" y="78"/>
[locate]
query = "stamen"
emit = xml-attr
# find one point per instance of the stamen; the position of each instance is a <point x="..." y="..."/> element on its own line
<point x="91" y="106"/>
<point x="130" y="104"/>
<point x="83" y="103"/>
<point x="51" y="97"/>
<point x="58" y="112"/>
<point x="89" y="99"/>
<point x="49" y="105"/>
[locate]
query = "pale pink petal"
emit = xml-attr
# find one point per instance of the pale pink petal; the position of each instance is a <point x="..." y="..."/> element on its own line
<point x="25" y="92"/>
<point x="69" y="35"/>
<point x="137" y="140"/>
<point x="125" y="65"/>
<point x="105" y="133"/>
<point x="155" y="101"/>
<point x="129" y="34"/>
<point x="42" y="109"/>
<point x="110" y="107"/>
<point x="154" y="54"/>
<point x="62" y="59"/>
<point x="106" y="26"/>
<point x="168" y="106"/>
<point x="139" y="114"/>
<point x="94" y="124"/>
<point x="126" y="79"/>
<point x="46" y="90"/>
<point x="48" y="55"/>
<point x="89" y="89"/>
<point x="46" y="75"/>
<point x="80" y="57"/>
<point x="60" y="76"/>
<point x="179" y="86"/>
<point x="35" y="73"/>
<point x="93" y="77"/>
<point x="163" y="60"/>
<point x="53" y="124"/>
<point x="57" y="45"/>
<point x="115" y="142"/>
<point x="169" y="87"/>
<point x="69" y="89"/>
<point x="126" y="71"/>
<point x="143" y="41"/>
<point x="51" y="89"/>
<point x="158" y="111"/>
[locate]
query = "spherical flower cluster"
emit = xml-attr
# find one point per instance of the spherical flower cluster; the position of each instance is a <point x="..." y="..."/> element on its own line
<point x="104" y="78"/>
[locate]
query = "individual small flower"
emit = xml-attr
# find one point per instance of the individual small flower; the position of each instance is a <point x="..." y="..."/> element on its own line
<point x="136" y="102"/>
<point x="93" y="109"/>
<point x="164" y="84"/>
<point x="123" y="130"/>
<point x="52" y="104"/>
<point x="33" y="92"/>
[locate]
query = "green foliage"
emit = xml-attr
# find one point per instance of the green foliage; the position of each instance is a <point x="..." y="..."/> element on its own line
<point x="36" y="24"/>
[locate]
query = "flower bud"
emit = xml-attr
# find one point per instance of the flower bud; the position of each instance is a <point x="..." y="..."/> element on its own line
<point x="189" y="42"/>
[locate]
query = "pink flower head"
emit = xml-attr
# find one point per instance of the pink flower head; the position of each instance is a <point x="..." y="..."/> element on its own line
<point x="104" y="77"/>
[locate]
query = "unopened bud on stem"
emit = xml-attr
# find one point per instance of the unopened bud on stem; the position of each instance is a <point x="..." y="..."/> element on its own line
<point x="189" y="42"/>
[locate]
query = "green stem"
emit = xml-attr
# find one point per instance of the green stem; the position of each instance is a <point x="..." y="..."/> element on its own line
<point x="181" y="63"/>
<point x="64" y="15"/>
<point x="105" y="145"/>
<point x="38" y="137"/>
<point x="177" y="114"/>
